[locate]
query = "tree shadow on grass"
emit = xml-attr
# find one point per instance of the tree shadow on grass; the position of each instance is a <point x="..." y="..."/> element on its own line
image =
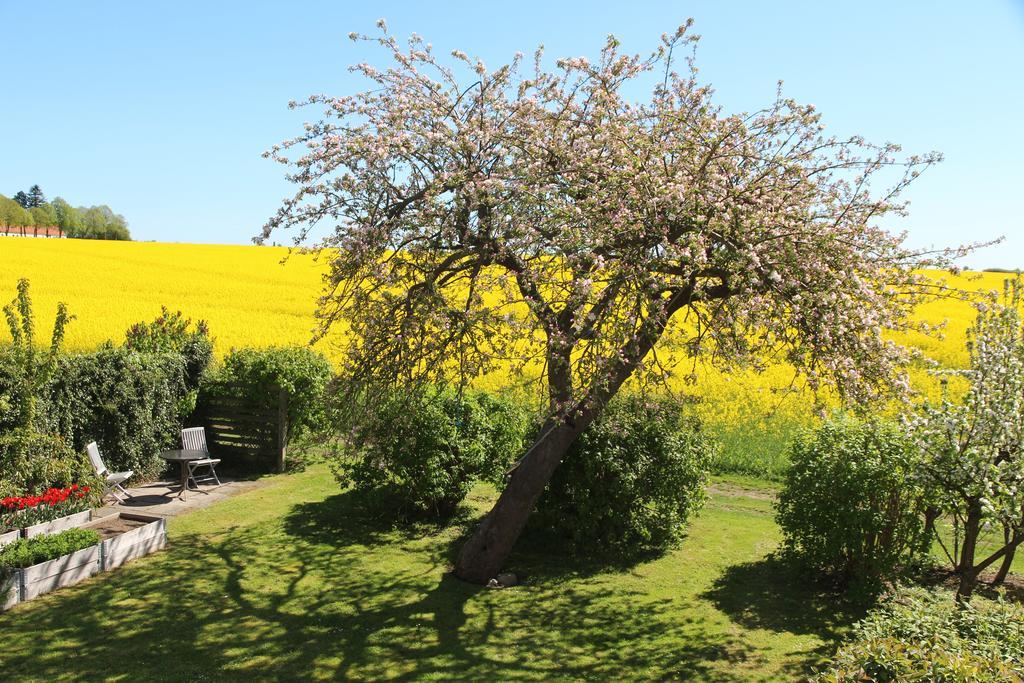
<point x="543" y="556"/>
<point x="777" y="595"/>
<point x="325" y="593"/>
<point x="353" y="518"/>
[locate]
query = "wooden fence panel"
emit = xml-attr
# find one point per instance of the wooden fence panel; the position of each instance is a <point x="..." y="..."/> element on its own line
<point x="240" y="430"/>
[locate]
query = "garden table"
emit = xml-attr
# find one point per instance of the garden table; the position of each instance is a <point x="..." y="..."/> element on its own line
<point x="183" y="457"/>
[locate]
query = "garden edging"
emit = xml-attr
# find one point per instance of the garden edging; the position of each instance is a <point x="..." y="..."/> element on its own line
<point x="57" y="525"/>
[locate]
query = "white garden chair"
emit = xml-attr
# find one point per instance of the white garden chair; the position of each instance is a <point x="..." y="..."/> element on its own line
<point x="194" y="439"/>
<point x="114" y="480"/>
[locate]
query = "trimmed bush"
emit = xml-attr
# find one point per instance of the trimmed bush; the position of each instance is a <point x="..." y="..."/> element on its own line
<point x="850" y="508"/>
<point x="132" y="404"/>
<point x="422" y="454"/>
<point x="32" y="462"/>
<point x="922" y="636"/>
<point x="631" y="480"/>
<point x="258" y="375"/>
<point x="26" y="552"/>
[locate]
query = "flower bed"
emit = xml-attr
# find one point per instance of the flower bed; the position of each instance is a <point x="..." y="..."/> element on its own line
<point x="34" y="566"/>
<point x="65" y="570"/>
<point x="47" y="513"/>
<point x="110" y="542"/>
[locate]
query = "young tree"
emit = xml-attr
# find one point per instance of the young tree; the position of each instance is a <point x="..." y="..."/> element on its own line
<point x="32" y="370"/>
<point x="973" y="460"/>
<point x="36" y="197"/>
<point x="543" y="220"/>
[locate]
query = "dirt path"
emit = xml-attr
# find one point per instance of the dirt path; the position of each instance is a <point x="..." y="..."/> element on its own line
<point x="722" y="488"/>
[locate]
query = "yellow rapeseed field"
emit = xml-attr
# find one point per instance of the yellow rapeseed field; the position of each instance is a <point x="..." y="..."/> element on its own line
<point x="252" y="296"/>
<point x="246" y="294"/>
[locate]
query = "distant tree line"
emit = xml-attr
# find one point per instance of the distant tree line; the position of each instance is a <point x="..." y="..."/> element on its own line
<point x="30" y="209"/>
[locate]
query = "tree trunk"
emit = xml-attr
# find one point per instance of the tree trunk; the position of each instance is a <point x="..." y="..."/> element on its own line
<point x="1004" y="568"/>
<point x="484" y="554"/>
<point x="968" y="572"/>
<point x="930" y="532"/>
<point x="930" y="515"/>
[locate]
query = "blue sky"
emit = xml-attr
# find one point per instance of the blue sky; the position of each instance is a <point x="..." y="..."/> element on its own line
<point x="162" y="110"/>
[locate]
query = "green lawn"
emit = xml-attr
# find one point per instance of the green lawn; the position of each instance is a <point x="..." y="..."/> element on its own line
<point x="292" y="581"/>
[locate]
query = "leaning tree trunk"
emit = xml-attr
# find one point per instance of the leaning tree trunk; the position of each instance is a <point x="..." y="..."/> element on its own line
<point x="484" y="554"/>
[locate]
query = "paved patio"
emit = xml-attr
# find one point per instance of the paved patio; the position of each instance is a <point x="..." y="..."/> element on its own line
<point x="160" y="498"/>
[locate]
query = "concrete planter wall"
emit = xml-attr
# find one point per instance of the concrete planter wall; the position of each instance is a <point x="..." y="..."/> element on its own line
<point x="58" y="525"/>
<point x="22" y="585"/>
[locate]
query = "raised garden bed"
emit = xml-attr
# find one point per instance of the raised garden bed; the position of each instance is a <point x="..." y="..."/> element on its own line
<point x="127" y="536"/>
<point x="9" y="537"/>
<point x="68" y="570"/>
<point x="123" y="537"/>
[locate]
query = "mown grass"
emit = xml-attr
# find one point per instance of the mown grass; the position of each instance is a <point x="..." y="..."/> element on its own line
<point x="754" y="450"/>
<point x="293" y="581"/>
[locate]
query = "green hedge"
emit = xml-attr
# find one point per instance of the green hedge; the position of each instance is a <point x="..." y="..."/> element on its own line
<point x="31" y="462"/>
<point x="132" y="404"/>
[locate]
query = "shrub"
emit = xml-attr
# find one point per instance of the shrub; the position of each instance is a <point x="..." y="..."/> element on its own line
<point x="423" y="453"/>
<point x="26" y="552"/>
<point x="258" y="375"/>
<point x="849" y="507"/>
<point x="30" y="461"/>
<point x="630" y="481"/>
<point x="917" y="635"/>
<point x="130" y="403"/>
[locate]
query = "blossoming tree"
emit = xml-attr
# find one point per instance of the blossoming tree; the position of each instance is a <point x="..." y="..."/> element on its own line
<point x="971" y="448"/>
<point x="526" y="217"/>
